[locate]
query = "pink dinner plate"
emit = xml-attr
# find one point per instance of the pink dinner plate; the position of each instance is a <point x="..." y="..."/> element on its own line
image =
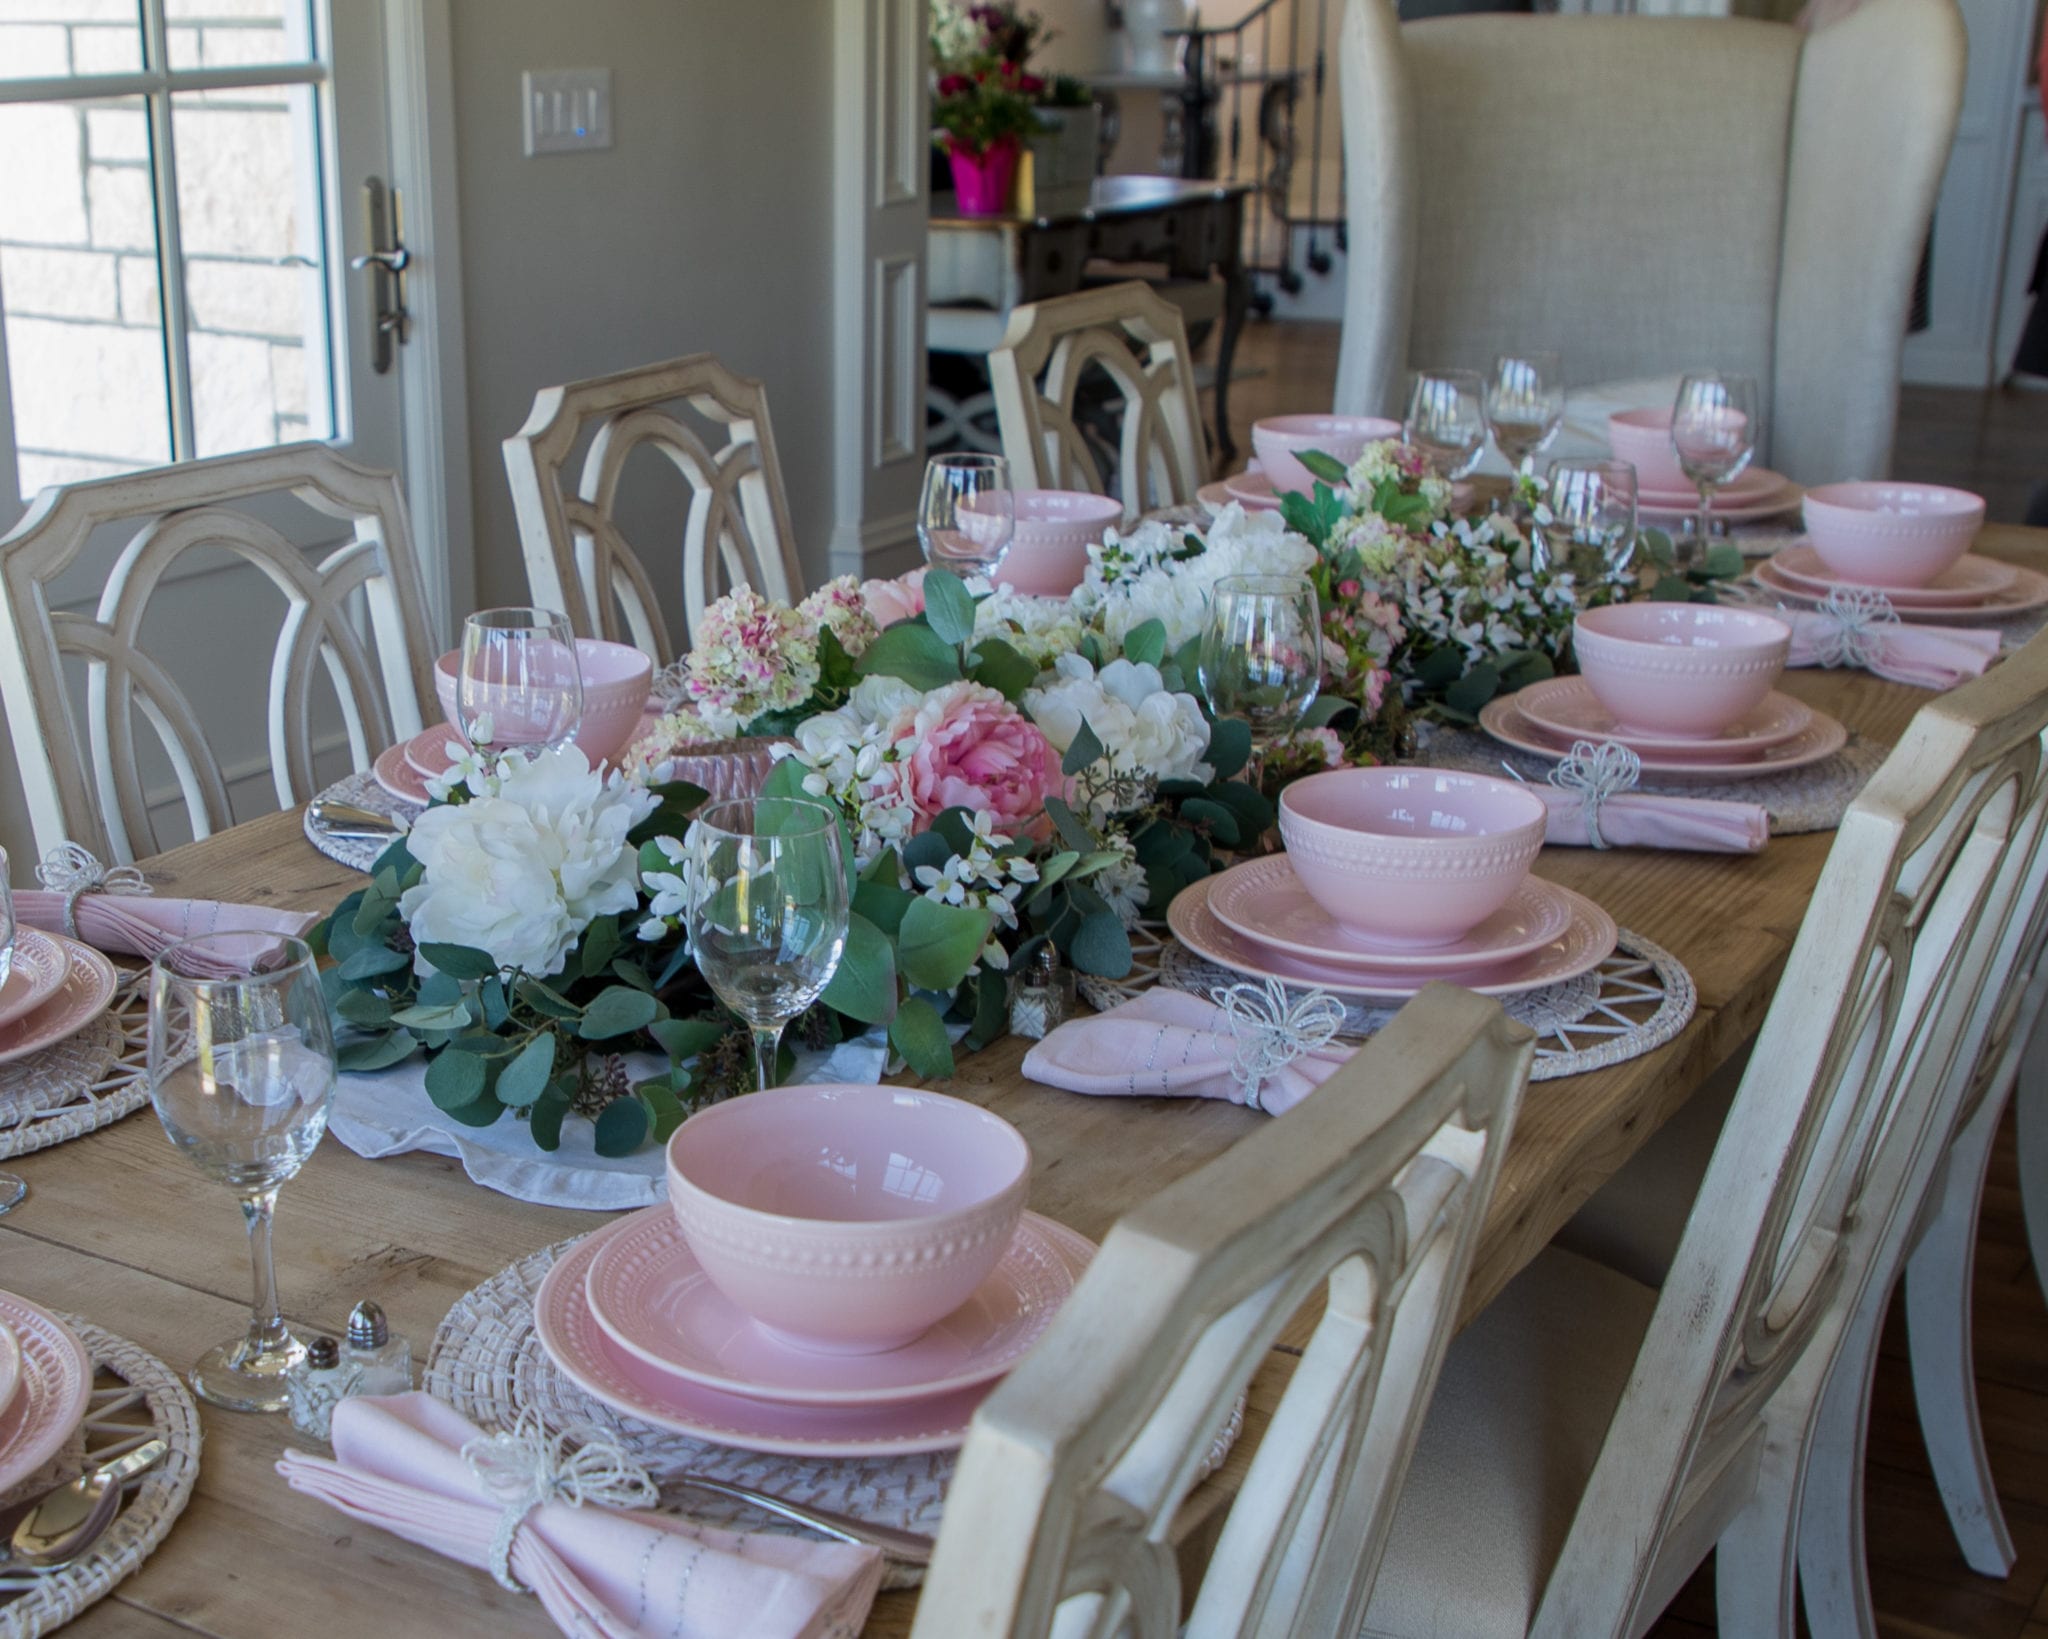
<point x="38" y="969"/>
<point x="50" y="1397"/>
<point x="1821" y="738"/>
<point x="427" y="752"/>
<point x="653" y="1299"/>
<point x="1254" y="490"/>
<point x="399" y="777"/>
<point x="573" y="1339"/>
<point x="1217" y="496"/>
<point x="1733" y="509"/>
<point x="1969" y="580"/>
<point x="2028" y="592"/>
<point x="10" y="1365"/>
<point x="1584" y="946"/>
<point x="1568" y="707"/>
<point x="1752" y="484"/>
<point x="1266" y="902"/>
<point x="88" y="986"/>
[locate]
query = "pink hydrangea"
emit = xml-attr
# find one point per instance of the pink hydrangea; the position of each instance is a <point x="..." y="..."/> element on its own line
<point x="889" y="601"/>
<point x="970" y="748"/>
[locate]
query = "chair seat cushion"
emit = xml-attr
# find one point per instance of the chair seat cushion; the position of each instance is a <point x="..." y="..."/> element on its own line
<point x="1520" y="1412"/>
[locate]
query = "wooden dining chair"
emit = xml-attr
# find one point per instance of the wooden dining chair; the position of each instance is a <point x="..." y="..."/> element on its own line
<point x="1133" y="339"/>
<point x="1593" y="1437"/>
<point x="1064" y="1511"/>
<point x="356" y="613"/>
<point x="736" y="533"/>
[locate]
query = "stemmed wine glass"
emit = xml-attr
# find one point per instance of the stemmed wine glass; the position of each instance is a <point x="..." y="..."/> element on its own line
<point x="1525" y="403"/>
<point x="1262" y="655"/>
<point x="520" y="687"/>
<point x="1445" y="420"/>
<point x="241" y="1070"/>
<point x="967" y="515"/>
<point x="1714" y="430"/>
<point x="13" y="1187"/>
<point x="1592" y="503"/>
<point x="766" y="905"/>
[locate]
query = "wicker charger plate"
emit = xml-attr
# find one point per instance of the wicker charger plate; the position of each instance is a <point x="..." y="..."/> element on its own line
<point x="136" y="1396"/>
<point x="358" y="854"/>
<point x="83" y="1083"/>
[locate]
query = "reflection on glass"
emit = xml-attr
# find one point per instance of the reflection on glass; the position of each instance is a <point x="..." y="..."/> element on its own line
<point x="1262" y="655"/>
<point x="54" y="39"/>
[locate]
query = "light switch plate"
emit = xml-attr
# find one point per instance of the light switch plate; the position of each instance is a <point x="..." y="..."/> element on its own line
<point x="568" y="110"/>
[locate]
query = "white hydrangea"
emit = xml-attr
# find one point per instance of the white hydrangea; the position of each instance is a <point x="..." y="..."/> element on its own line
<point x="1148" y="733"/>
<point x="1135" y="578"/>
<point x="1040" y="629"/>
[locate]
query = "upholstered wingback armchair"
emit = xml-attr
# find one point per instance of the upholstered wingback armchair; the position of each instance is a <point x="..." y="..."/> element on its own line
<point x="1650" y="195"/>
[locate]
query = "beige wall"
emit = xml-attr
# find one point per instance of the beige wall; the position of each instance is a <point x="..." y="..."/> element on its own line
<point x="707" y="226"/>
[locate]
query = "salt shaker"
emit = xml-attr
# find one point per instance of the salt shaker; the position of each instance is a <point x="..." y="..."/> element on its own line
<point x="1042" y="996"/>
<point x="383" y="1360"/>
<point x="317" y="1385"/>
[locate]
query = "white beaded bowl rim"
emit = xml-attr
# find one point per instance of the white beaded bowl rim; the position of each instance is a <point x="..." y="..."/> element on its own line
<point x="1435" y="856"/>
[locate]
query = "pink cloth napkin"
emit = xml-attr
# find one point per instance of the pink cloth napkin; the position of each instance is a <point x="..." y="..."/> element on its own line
<point x="142" y="925"/>
<point x="1928" y="657"/>
<point x="1169" y="1043"/>
<point x="1636" y="820"/>
<point x="620" y="1573"/>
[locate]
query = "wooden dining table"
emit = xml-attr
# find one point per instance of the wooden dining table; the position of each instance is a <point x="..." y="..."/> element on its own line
<point x="119" y="1228"/>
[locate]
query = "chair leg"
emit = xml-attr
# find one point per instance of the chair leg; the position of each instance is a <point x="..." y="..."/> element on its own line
<point x="1938" y="1287"/>
<point x="1834" y="1576"/>
<point x="1756" y="1559"/>
<point x="2030" y="1118"/>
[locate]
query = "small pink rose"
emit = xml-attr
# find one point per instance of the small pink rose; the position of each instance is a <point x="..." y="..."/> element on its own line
<point x="889" y="601"/>
<point x="972" y="749"/>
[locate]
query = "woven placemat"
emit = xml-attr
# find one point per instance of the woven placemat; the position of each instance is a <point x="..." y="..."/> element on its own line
<point x="83" y="1083"/>
<point x="488" y="1364"/>
<point x="1632" y="1003"/>
<point x="358" y="854"/>
<point x="135" y="1396"/>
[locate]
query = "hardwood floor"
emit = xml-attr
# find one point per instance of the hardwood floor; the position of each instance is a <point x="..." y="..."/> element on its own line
<point x="1996" y="444"/>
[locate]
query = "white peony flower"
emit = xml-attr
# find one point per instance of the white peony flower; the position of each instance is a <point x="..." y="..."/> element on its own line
<point x="1147" y="733"/>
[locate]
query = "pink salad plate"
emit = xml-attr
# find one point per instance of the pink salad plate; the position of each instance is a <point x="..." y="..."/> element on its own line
<point x="1568" y="708"/>
<point x="1751" y="484"/>
<point x="399" y="777"/>
<point x="1820" y="739"/>
<point x="1584" y="946"/>
<point x="1967" y="581"/>
<point x="38" y="968"/>
<point x="2027" y="592"/>
<point x="89" y="984"/>
<point x="652" y="1298"/>
<point x="10" y="1365"/>
<point x="570" y="1334"/>
<point x="49" y="1400"/>
<point x="427" y="752"/>
<point x="1253" y="490"/>
<point x="1266" y="902"/>
<point x="1736" y="506"/>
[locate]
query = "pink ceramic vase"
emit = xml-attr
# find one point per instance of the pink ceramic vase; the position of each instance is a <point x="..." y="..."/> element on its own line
<point x="982" y="181"/>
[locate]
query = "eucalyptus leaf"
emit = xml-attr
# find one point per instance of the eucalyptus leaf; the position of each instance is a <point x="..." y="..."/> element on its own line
<point x="662" y="1104"/>
<point x="421" y="1017"/>
<point x="623" y="1126"/>
<point x="1723" y="561"/>
<point x="1671" y="589"/>
<point x="1230" y="746"/>
<point x="1073" y="833"/>
<point x="1473" y="690"/>
<point x="523" y="1080"/>
<point x="863" y="986"/>
<point x="371" y="961"/>
<point x="1326" y="467"/>
<point x="601" y="943"/>
<point x="685" y="1038"/>
<point x="948" y="606"/>
<point x="459" y="961"/>
<point x="919" y="1034"/>
<point x="455" y="1079"/>
<point x="1101" y="946"/>
<point x="998" y="665"/>
<point x="1222" y="823"/>
<point x="1145" y="643"/>
<point x="545" y="1123"/>
<point x="1082" y="750"/>
<point x="914" y="653"/>
<point x="375" y="1052"/>
<point x="364" y="1009"/>
<point x="882" y="903"/>
<point x="617" y="1011"/>
<point x="938" y="945"/>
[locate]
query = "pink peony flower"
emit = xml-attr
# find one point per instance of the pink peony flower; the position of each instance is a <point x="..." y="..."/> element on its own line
<point x="970" y="748"/>
<point x="889" y="601"/>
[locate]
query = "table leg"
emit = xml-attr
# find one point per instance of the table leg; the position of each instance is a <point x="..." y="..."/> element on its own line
<point x="1237" y="290"/>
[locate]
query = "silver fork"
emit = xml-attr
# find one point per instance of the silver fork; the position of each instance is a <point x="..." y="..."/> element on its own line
<point x="906" y="1546"/>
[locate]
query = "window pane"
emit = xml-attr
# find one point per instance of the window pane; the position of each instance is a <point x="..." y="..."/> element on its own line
<point x="255" y="267"/>
<point x="228" y="33"/>
<point x="50" y="37"/>
<point x="78" y="265"/>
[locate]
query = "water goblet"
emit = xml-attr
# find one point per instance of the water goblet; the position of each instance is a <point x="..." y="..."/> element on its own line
<point x="1592" y="531"/>
<point x="1446" y="421"/>
<point x="520" y="684"/>
<point x="13" y="1187"/>
<point x="1262" y="655"/>
<point x="1525" y="404"/>
<point x="967" y="514"/>
<point x="1714" y="429"/>
<point x="766" y="904"/>
<point x="241" y="1071"/>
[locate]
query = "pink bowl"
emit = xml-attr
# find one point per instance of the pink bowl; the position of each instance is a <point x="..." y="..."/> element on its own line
<point x="1643" y="439"/>
<point x="1278" y="438"/>
<point x="1410" y="858"/>
<point x="1682" y="669"/>
<point x="616" y="678"/>
<point x="847" y="1218"/>
<point x="1055" y="527"/>
<point x="1891" y="534"/>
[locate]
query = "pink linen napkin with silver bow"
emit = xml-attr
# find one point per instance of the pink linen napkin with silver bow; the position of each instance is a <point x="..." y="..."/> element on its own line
<point x="1632" y="819"/>
<point x="130" y="925"/>
<point x="1167" y="1043"/>
<point x="1870" y="635"/>
<point x="508" y="1503"/>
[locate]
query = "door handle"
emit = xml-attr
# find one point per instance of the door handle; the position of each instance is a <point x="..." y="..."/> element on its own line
<point x="386" y="262"/>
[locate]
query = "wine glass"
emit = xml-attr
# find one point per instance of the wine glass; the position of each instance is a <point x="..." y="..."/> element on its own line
<point x="520" y="687"/>
<point x="1525" y="404"/>
<point x="1592" y="531"/>
<point x="1446" y="421"/>
<point x="241" y="1070"/>
<point x="967" y="515"/>
<point x="13" y="1187"/>
<point x="1262" y="655"/>
<point x="1714" y="429"/>
<point x="766" y="905"/>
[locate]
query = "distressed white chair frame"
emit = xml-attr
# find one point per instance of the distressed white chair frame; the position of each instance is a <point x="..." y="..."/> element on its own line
<point x="1138" y="339"/>
<point x="1060" y="1513"/>
<point x="178" y="510"/>
<point x="737" y="531"/>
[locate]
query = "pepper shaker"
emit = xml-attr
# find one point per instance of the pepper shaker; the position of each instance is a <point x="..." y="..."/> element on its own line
<point x="383" y="1359"/>
<point x="317" y="1385"/>
<point x="1042" y="996"/>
